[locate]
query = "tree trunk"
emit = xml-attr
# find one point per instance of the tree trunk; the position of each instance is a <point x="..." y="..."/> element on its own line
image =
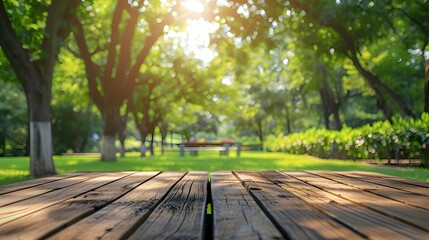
<point x="329" y="104"/>
<point x="261" y="134"/>
<point x="162" y="144"/>
<point x="143" y="148"/>
<point x="325" y="106"/>
<point x="379" y="88"/>
<point x="152" y="152"/>
<point x="78" y="143"/>
<point x="82" y="146"/>
<point x="108" y="151"/>
<point x="163" y="129"/>
<point x="382" y="105"/>
<point x="288" y="124"/>
<point x="143" y="134"/>
<point x="122" y="149"/>
<point x="426" y="86"/>
<point x="110" y="128"/>
<point x="324" y="93"/>
<point x="41" y="149"/>
<point x="36" y="77"/>
<point x="333" y="109"/>
<point x="337" y="122"/>
<point x="122" y="132"/>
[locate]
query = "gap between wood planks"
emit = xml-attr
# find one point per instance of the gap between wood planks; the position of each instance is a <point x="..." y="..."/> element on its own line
<point x="289" y="185"/>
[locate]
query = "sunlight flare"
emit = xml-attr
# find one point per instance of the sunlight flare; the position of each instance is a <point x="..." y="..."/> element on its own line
<point x="193" y="5"/>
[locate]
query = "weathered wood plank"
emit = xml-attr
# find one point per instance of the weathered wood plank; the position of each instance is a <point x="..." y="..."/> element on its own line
<point x="35" y="182"/>
<point x="297" y="219"/>
<point x="393" y="178"/>
<point x="398" y="210"/>
<point x="123" y="216"/>
<point x="181" y="214"/>
<point x="368" y="223"/>
<point x="120" y="205"/>
<point x="25" y="207"/>
<point x="26" y="193"/>
<point x="416" y="200"/>
<point x="47" y="221"/>
<point x="235" y="213"/>
<point x="390" y="181"/>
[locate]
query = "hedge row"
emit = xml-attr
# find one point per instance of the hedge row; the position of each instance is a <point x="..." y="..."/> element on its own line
<point x="402" y="139"/>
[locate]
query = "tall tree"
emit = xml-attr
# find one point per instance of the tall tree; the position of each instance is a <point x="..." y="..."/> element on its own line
<point x="410" y="24"/>
<point x="352" y="35"/>
<point x="145" y="115"/>
<point x="122" y="129"/>
<point x="159" y="88"/>
<point x="351" y="25"/>
<point x="163" y="130"/>
<point x="111" y="81"/>
<point x="331" y="106"/>
<point x="33" y="59"/>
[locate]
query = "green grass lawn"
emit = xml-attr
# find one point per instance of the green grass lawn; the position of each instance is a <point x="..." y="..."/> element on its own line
<point x="16" y="169"/>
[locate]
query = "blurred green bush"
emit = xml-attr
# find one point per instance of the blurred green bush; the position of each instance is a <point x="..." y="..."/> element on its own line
<point x="401" y="139"/>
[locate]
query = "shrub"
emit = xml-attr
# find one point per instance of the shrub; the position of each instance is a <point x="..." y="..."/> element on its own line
<point x="382" y="140"/>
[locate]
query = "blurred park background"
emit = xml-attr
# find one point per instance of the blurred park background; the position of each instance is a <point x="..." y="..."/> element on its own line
<point x="133" y="79"/>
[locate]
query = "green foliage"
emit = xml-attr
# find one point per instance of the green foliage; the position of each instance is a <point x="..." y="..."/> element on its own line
<point x="6" y="72"/>
<point x="74" y="129"/>
<point x="381" y="140"/>
<point x="196" y="121"/>
<point x="28" y="18"/>
<point x="75" y="121"/>
<point x="13" y="126"/>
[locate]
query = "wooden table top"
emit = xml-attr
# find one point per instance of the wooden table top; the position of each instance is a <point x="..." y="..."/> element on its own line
<point x="220" y="205"/>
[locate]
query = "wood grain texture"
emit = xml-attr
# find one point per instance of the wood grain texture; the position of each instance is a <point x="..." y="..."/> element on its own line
<point x="390" y="181"/>
<point x="368" y="223"/>
<point x="35" y="182"/>
<point x="235" y="214"/>
<point x="47" y="221"/>
<point x="26" y="193"/>
<point x="409" y="214"/>
<point x="25" y="207"/>
<point x="123" y="216"/>
<point x="394" y="178"/>
<point x="182" y="213"/>
<point x="296" y="218"/>
<point x="416" y="200"/>
<point x="245" y="205"/>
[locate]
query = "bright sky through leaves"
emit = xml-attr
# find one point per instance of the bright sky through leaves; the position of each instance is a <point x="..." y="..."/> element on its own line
<point x="195" y="40"/>
<point x="193" y="5"/>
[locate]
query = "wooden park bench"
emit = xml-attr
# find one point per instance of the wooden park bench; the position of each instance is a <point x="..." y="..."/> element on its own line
<point x="228" y="205"/>
<point x="223" y="148"/>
